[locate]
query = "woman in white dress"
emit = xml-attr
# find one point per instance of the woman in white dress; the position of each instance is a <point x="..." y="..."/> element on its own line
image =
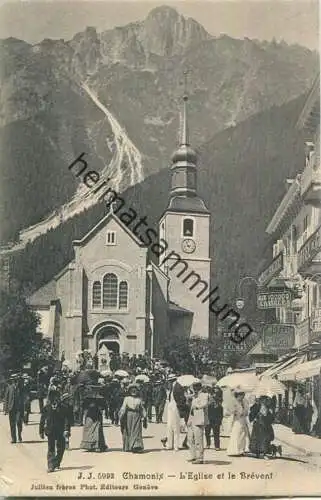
<point x="171" y="441"/>
<point x="239" y="439"/>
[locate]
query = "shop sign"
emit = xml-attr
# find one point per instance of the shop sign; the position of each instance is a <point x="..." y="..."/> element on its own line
<point x="278" y="337"/>
<point x="228" y="345"/>
<point x="274" y="299"/>
<point x="272" y="270"/>
<point x="310" y="249"/>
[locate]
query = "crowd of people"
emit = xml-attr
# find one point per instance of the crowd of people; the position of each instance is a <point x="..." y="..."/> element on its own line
<point x="193" y="411"/>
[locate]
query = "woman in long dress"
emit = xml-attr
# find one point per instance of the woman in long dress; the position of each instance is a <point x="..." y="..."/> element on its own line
<point x="173" y="421"/>
<point x="93" y="435"/>
<point x="299" y="411"/>
<point x="132" y="416"/>
<point x="239" y="439"/>
<point x="262" y="431"/>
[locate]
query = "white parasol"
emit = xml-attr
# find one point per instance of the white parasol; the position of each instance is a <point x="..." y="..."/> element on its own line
<point x="142" y="378"/>
<point x="269" y="386"/>
<point x="209" y="380"/>
<point x="242" y="382"/>
<point x="67" y="363"/>
<point x="121" y="373"/>
<point x="186" y="380"/>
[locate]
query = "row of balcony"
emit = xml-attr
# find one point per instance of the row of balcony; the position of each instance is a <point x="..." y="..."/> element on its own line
<point x="311" y="181"/>
<point x="307" y="261"/>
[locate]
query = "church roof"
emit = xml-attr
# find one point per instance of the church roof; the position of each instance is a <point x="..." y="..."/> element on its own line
<point x="158" y="270"/>
<point x="257" y="349"/>
<point x="44" y="295"/>
<point x="176" y="309"/>
<point x="187" y="204"/>
<point x="102" y="223"/>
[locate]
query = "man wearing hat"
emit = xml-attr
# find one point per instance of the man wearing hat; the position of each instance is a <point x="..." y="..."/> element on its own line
<point x="26" y="392"/>
<point x="55" y="424"/>
<point x="43" y="379"/>
<point x="215" y="416"/>
<point x="14" y="406"/>
<point x="159" y="398"/>
<point x="198" y="419"/>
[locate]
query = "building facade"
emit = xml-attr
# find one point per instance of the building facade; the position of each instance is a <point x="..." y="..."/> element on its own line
<point x="293" y="277"/>
<point x="111" y="295"/>
<point x="290" y="285"/>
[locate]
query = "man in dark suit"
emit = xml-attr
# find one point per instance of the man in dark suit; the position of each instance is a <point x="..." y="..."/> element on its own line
<point x="159" y="399"/>
<point x="215" y="417"/>
<point x="43" y="379"/>
<point x="14" y="406"/>
<point x="26" y="392"/>
<point x="55" y="424"/>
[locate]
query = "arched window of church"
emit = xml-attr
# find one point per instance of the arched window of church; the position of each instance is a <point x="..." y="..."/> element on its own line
<point x="110" y="290"/>
<point x="96" y="299"/>
<point x="123" y="295"/>
<point x="188" y="227"/>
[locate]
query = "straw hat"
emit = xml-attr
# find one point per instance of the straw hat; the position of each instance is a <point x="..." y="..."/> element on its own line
<point x="133" y="388"/>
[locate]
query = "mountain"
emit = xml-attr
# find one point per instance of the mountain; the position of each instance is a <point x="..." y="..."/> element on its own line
<point x="115" y="95"/>
<point x="241" y="175"/>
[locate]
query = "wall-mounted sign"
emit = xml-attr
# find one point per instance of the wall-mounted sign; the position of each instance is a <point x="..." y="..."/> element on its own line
<point x="278" y="337"/>
<point x="310" y="249"/>
<point x="273" y="299"/>
<point x="272" y="270"/>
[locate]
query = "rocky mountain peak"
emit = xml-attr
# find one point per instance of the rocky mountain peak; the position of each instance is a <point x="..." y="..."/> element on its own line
<point x="166" y="32"/>
<point x="163" y="12"/>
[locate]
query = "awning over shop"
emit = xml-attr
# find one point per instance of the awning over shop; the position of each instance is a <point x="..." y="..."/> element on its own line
<point x="305" y="370"/>
<point x="281" y="365"/>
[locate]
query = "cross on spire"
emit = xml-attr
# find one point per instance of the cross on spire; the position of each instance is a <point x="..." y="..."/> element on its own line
<point x="185" y="75"/>
<point x="184" y="139"/>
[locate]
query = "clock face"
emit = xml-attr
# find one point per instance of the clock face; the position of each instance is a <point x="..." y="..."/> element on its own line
<point x="188" y="245"/>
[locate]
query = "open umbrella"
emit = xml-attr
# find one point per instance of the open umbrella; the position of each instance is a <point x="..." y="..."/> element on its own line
<point x="242" y="382"/>
<point x="121" y="373"/>
<point x="208" y="380"/>
<point x="186" y="380"/>
<point x="269" y="386"/>
<point x="142" y="378"/>
<point x="67" y="363"/>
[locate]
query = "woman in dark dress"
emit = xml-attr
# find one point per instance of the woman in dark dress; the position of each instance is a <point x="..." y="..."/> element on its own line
<point x="299" y="412"/>
<point x="262" y="431"/>
<point x="93" y="436"/>
<point x="132" y="417"/>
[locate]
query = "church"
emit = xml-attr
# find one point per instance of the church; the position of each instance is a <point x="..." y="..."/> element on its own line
<point x="112" y="296"/>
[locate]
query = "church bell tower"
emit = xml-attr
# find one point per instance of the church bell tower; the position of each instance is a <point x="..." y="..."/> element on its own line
<point x="185" y="228"/>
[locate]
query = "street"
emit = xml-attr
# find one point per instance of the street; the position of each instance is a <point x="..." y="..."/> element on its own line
<point x="24" y="469"/>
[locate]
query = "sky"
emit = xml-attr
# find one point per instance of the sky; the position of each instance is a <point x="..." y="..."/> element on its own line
<point x="291" y="20"/>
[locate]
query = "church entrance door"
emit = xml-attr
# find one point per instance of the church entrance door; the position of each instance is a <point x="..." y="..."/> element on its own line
<point x="108" y="336"/>
<point x="112" y="345"/>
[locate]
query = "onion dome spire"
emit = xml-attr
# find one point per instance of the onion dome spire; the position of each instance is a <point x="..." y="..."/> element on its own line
<point x="183" y="193"/>
<point x="184" y="151"/>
